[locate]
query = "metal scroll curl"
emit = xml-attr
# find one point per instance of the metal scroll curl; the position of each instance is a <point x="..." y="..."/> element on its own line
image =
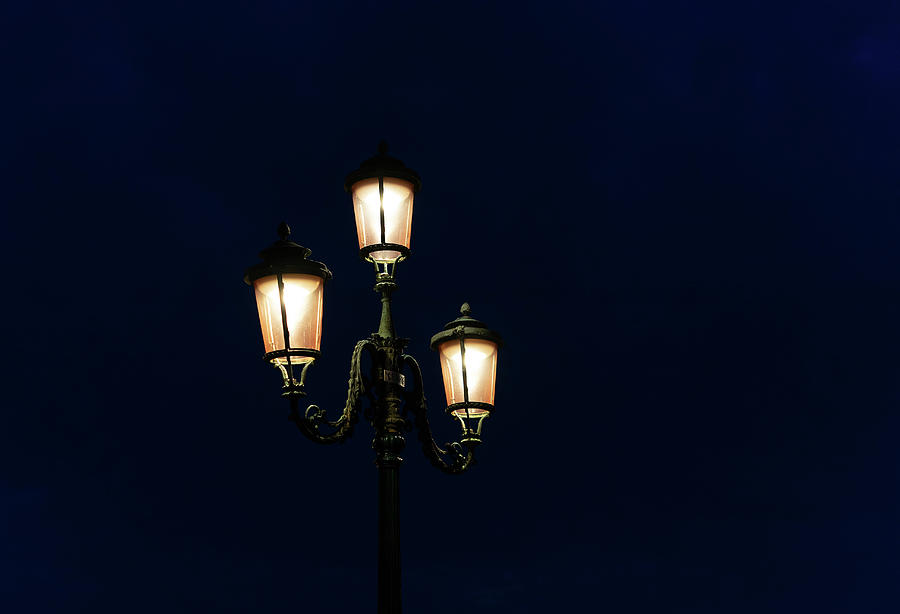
<point x="459" y="459"/>
<point x="315" y="418"/>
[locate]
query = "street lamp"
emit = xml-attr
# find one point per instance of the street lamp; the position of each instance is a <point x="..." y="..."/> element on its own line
<point x="289" y="287"/>
<point x="468" y="351"/>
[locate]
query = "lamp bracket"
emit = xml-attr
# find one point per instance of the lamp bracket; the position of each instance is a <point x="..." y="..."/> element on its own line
<point x="315" y="418"/>
<point x="460" y="457"/>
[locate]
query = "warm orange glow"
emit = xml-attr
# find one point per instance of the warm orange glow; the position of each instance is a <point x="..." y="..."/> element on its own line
<point x="303" y="307"/>
<point x="481" y="372"/>
<point x="398" y="207"/>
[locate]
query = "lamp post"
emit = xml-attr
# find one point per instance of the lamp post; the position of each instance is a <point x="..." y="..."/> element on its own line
<point x="289" y="292"/>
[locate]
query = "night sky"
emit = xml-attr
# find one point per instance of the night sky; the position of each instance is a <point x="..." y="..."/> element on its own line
<point x="682" y="217"/>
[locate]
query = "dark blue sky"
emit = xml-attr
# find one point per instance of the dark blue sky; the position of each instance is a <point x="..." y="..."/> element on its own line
<point x="681" y="217"/>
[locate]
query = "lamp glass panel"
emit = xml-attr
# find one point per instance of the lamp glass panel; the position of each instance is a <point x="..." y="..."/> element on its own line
<point x="481" y="372"/>
<point x="398" y="207"/>
<point x="303" y="307"/>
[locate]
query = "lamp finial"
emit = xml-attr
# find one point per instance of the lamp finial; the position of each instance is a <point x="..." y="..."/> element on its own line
<point x="382" y="147"/>
<point x="284" y="231"/>
<point x="465" y="309"/>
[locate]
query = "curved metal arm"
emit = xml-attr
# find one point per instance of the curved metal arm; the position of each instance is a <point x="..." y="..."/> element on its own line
<point x="314" y="417"/>
<point x="459" y="461"/>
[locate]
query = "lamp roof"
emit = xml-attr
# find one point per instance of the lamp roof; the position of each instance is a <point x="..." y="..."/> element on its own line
<point x="467" y="327"/>
<point x="383" y="165"/>
<point x="285" y="256"/>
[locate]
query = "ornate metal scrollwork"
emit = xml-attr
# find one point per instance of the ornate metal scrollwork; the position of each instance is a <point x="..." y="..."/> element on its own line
<point x="459" y="459"/>
<point x="314" y="418"/>
<point x="292" y="388"/>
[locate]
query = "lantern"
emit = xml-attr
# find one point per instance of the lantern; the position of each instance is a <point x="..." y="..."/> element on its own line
<point x="288" y="288"/>
<point x="468" y="353"/>
<point x="382" y="190"/>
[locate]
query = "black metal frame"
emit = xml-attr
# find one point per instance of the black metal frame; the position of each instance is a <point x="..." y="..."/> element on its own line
<point x="392" y="409"/>
<point x="269" y="356"/>
<point x="469" y="405"/>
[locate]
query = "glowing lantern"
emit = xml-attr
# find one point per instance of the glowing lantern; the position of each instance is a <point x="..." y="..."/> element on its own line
<point x="468" y="353"/>
<point x="382" y="189"/>
<point x="288" y="289"/>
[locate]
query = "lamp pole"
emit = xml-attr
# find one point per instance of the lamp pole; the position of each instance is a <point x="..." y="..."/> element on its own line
<point x="288" y="288"/>
<point x="388" y="443"/>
